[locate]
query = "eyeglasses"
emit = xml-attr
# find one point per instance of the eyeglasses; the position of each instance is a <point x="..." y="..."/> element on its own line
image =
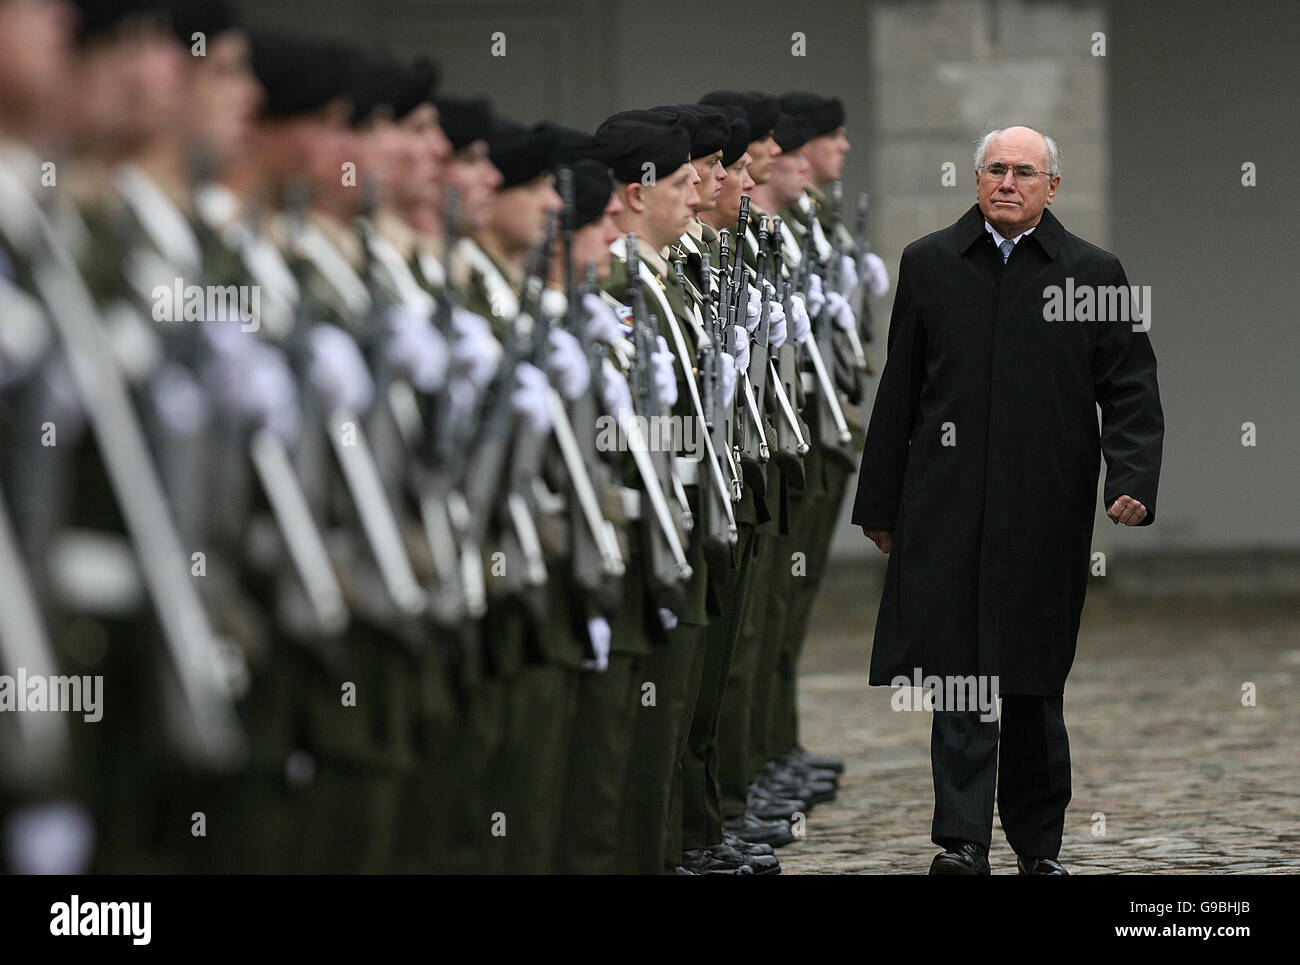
<point x="996" y="171"/>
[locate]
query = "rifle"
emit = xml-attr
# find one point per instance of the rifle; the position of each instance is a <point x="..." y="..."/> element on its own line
<point x="862" y="246"/>
<point x="325" y="429"/>
<point x="718" y="309"/>
<point x="202" y="718"/>
<point x="751" y="436"/>
<point x="832" y="428"/>
<point x="506" y="453"/>
<point x="667" y="568"/>
<point x="837" y="251"/>
<point x="784" y="378"/>
<point x="756" y="441"/>
<point x="597" y="558"/>
<point x="719" y="528"/>
<point x="459" y="589"/>
<point x="39" y="745"/>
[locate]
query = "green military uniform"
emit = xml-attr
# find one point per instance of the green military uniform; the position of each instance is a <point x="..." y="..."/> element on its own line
<point x="651" y="833"/>
<point x="536" y="676"/>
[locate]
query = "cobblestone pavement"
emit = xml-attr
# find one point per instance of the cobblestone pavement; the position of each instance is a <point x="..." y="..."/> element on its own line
<point x="1171" y="773"/>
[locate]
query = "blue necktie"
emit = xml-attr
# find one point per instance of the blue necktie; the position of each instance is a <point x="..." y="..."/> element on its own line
<point x="1005" y="248"/>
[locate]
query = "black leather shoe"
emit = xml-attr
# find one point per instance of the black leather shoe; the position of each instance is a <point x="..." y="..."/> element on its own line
<point x="767" y="806"/>
<point x="717" y="860"/>
<point x="802" y="753"/>
<point x="732" y="840"/>
<point x="963" y="858"/>
<point x="753" y="828"/>
<point x="788" y="784"/>
<point x="760" y="864"/>
<point x="796" y="768"/>
<point x="1040" y="866"/>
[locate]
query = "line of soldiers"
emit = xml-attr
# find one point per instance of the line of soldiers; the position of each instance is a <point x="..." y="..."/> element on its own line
<point x="431" y="492"/>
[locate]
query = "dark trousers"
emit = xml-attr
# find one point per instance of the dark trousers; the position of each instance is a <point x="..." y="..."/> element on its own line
<point x="1032" y="779"/>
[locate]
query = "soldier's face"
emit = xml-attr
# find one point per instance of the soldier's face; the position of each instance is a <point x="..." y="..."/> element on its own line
<point x="591" y="242"/>
<point x="712" y="176"/>
<point x="430" y="153"/>
<point x="519" y="214"/>
<point x="226" y="96"/>
<point x="825" y="156"/>
<point x="35" y="45"/>
<point x="1009" y="202"/>
<point x="385" y="160"/>
<point x="764" y="152"/>
<point x="789" y="174"/>
<point x="738" y="182"/>
<point x="476" y="179"/>
<point x="155" y="80"/>
<point x="671" y="204"/>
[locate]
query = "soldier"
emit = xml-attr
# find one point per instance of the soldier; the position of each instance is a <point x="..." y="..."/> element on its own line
<point x="824" y="154"/>
<point x="45" y="822"/>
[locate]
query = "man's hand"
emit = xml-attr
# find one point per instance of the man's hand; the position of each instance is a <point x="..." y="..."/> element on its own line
<point x="1127" y="510"/>
<point x="883" y="539"/>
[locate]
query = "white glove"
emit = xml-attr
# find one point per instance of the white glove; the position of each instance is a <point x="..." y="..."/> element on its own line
<point x="337" y="370"/>
<point x="848" y="275"/>
<point x="800" y="326"/>
<point x="529" y="400"/>
<point x="475" y="353"/>
<point x="776" y="329"/>
<point x="270" y="396"/>
<point x="416" y="350"/>
<point x="49" y="838"/>
<point x="615" y="392"/>
<point x="667" y="618"/>
<point x="665" y="379"/>
<point x="741" y="349"/>
<point x="814" y="297"/>
<point x="602" y="323"/>
<point x="599" y="632"/>
<point x="841" y="312"/>
<point x="877" y="278"/>
<point x="568" y="364"/>
<point x="753" y="308"/>
<point x="729" y="375"/>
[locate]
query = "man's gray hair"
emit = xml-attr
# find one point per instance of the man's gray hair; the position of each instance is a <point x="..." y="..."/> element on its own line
<point x="1053" y="152"/>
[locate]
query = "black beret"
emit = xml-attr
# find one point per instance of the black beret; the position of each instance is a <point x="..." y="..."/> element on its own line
<point x="97" y="19"/>
<point x="712" y="127"/>
<point x="419" y="83"/>
<point x="761" y="109"/>
<point x="300" y="74"/>
<point x="379" y="82"/>
<point x="592" y="186"/>
<point x="825" y="113"/>
<point x="792" y="131"/>
<point x="738" y="143"/>
<point x="208" y="17"/>
<point x="523" y="153"/>
<point x="627" y="146"/>
<point x="464" y="120"/>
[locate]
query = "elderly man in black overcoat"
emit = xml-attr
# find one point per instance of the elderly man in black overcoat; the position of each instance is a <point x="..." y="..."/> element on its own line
<point x="979" y="478"/>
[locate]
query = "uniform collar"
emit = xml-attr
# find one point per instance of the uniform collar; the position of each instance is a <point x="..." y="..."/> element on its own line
<point x="1048" y="232"/>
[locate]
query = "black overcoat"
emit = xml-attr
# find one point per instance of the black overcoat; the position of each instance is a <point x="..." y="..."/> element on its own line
<point x="982" y="454"/>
